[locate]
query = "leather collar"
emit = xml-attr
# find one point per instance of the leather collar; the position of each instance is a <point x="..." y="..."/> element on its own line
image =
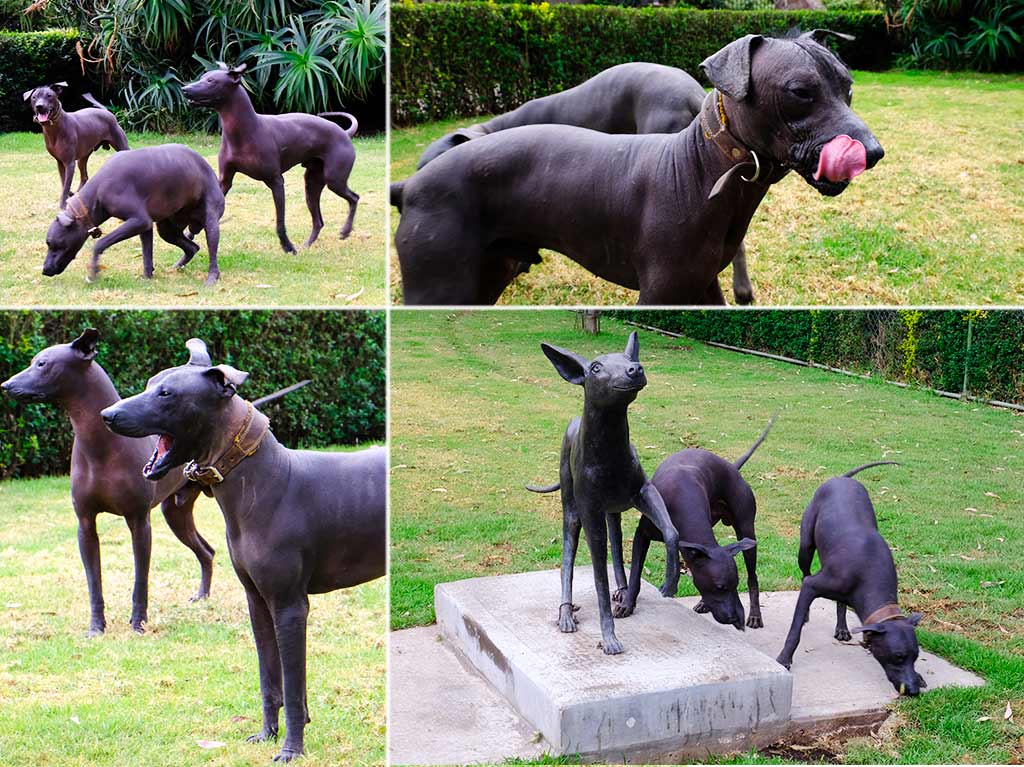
<point x="82" y="214"/>
<point x="715" y="125"/>
<point x="245" y="443"/>
<point x="884" y="613"/>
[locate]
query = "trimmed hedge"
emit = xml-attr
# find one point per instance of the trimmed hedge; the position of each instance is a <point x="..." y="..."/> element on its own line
<point x="28" y="59"/>
<point x="928" y="348"/>
<point x="343" y="352"/>
<point x="463" y="59"/>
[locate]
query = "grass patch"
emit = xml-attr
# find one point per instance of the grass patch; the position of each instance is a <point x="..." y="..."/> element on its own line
<point x="254" y="269"/>
<point x="146" y="700"/>
<point x="937" y="222"/>
<point x="477" y="412"/>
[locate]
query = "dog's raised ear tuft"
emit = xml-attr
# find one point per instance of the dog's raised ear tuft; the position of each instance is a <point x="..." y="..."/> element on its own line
<point x="227" y="378"/>
<point x="744" y="544"/>
<point x="197" y="352"/>
<point x="237" y="71"/>
<point x="571" y="366"/>
<point x="633" y="347"/>
<point x="58" y="88"/>
<point x="85" y="344"/>
<point x="821" y="36"/>
<point x="729" y="69"/>
<point x="28" y="94"/>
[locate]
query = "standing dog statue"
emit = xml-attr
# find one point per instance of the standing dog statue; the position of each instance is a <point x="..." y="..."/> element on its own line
<point x="298" y="522"/>
<point x="661" y="214"/>
<point x="856" y="570"/>
<point x="700" y="489"/>
<point x="168" y="185"/>
<point x="600" y="477"/>
<point x="71" y="137"/>
<point x="263" y="147"/>
<point x="637" y="97"/>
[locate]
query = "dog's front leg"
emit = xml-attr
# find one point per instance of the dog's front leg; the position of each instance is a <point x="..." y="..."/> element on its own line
<point x="615" y="539"/>
<point x="89" y="549"/>
<point x="68" y="171"/>
<point x="652" y="506"/>
<point x="290" y="627"/>
<point x="808" y="593"/>
<point x="277" y="188"/>
<point x="133" y="227"/>
<point x="270" y="664"/>
<point x="597" y="541"/>
<point x="742" y="289"/>
<point x="83" y="172"/>
<point x="142" y="546"/>
<point x="842" y="632"/>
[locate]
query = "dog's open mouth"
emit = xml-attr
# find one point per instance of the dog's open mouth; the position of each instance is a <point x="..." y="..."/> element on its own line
<point x="154" y="468"/>
<point x="43" y="114"/>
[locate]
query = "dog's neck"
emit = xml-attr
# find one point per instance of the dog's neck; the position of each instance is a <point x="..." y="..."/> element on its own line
<point x="604" y="434"/>
<point x="237" y="115"/>
<point x="94" y="393"/>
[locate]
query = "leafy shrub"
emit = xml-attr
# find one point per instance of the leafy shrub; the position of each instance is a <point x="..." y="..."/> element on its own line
<point x="343" y="352"/>
<point x="928" y="348"/>
<point x="963" y="34"/>
<point x="483" y="58"/>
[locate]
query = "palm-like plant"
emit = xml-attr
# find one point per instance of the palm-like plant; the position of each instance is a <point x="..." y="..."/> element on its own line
<point x="360" y="28"/>
<point x="306" y="74"/>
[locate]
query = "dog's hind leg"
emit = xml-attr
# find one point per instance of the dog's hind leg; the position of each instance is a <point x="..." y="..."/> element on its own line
<point x="83" y="172"/>
<point x="182" y="523"/>
<point x="336" y="174"/>
<point x="504" y="260"/>
<point x="743" y="511"/>
<point x="172" y="232"/>
<point x="142" y="546"/>
<point x="615" y="540"/>
<point x="314" y="178"/>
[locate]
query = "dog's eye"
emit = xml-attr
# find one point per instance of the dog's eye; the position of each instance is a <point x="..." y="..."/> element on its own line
<point x="804" y="94"/>
<point x="41" y="364"/>
<point x="163" y="393"/>
<point x="595" y="368"/>
<point x="849" y="96"/>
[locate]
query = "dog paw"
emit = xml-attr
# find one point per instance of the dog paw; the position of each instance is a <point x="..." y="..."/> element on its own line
<point x="754" y="622"/>
<point x="138" y="625"/>
<point x="611" y="645"/>
<point x="287" y="754"/>
<point x="619" y="594"/>
<point x="843" y="635"/>
<point x="785" y="664"/>
<point x="199" y="596"/>
<point x="669" y="589"/>
<point x="566" y="619"/>
<point x="212" y="280"/>
<point x="623" y="610"/>
<point x="95" y="631"/>
<point x="262" y="736"/>
<point x="700" y="607"/>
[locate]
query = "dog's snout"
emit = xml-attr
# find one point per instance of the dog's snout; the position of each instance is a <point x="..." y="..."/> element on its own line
<point x="109" y="416"/>
<point x="635" y="370"/>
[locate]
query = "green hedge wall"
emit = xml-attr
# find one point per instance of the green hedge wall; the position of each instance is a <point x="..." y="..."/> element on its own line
<point x="463" y="59"/>
<point x="28" y="59"/>
<point x="922" y="347"/>
<point x="343" y="352"/>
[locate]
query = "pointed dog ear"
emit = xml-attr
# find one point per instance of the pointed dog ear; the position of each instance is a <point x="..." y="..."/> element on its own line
<point x="197" y="353"/>
<point x="65" y="219"/>
<point x="85" y="344"/>
<point x="227" y="378"/>
<point x="914" y="618"/>
<point x="58" y="88"/>
<point x="236" y="72"/>
<point x="222" y="65"/>
<point x="744" y="544"/>
<point x="28" y="94"/>
<point x="633" y="347"/>
<point x="821" y="36"/>
<point x="571" y="366"/>
<point x="729" y="69"/>
<point x="696" y="549"/>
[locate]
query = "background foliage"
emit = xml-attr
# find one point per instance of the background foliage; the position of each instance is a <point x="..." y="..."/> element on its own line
<point x="29" y="58"/>
<point x="484" y="58"/>
<point x="310" y="55"/>
<point x="962" y="34"/>
<point x="343" y="352"/>
<point x="926" y="348"/>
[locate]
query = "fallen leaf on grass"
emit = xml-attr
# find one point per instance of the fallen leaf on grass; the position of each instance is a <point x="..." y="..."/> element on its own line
<point x="76" y="720"/>
<point x="353" y="296"/>
<point x="1008" y="714"/>
<point x="991" y="495"/>
<point x="969" y="559"/>
<point x="439" y="490"/>
<point x="983" y="719"/>
<point x="210" y="744"/>
<point x="990" y="584"/>
<point x="187" y="295"/>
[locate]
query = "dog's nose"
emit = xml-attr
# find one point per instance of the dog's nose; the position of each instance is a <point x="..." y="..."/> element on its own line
<point x="109" y="416"/>
<point x="873" y="152"/>
<point x="634" y="370"/>
<point x="6" y="385"/>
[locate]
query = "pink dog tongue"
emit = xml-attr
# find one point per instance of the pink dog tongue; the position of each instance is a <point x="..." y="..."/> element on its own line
<point x="841" y="159"/>
<point x="41" y="118"/>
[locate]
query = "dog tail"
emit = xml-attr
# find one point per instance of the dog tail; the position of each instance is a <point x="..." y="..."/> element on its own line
<point x="351" y="130"/>
<point x="395" y="191"/>
<point x="88" y="97"/>
<point x="279" y="393"/>
<point x="851" y="472"/>
<point x="746" y="456"/>
<point x="545" y="488"/>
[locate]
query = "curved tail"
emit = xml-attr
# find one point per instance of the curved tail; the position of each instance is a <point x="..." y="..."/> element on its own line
<point x="279" y="393"/>
<point x="851" y="472"/>
<point x="351" y="130"/>
<point x="545" y="488"/>
<point x="738" y="463"/>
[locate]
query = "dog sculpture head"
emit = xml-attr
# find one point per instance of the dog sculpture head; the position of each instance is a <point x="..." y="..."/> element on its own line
<point x="608" y="380"/>
<point x="214" y="87"/>
<point x="788" y="99"/>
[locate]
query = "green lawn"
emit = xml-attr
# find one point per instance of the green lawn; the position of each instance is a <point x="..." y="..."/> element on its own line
<point x="477" y="412"/>
<point x="938" y="221"/>
<point x="254" y="269"/>
<point x="125" y="699"/>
